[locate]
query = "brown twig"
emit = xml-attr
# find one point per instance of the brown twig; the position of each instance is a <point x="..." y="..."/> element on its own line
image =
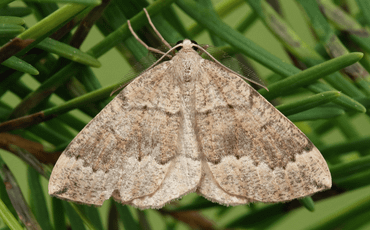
<point x="113" y="217"/>
<point x="192" y="218"/>
<point x="9" y="141"/>
<point x="24" y="122"/>
<point x="86" y="24"/>
<point x="59" y="34"/>
<point x="13" y="47"/>
<point x="17" y="199"/>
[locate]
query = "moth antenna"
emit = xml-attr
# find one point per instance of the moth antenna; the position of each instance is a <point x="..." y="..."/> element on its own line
<point x="160" y="59"/>
<point x="219" y="63"/>
<point x="204" y="47"/>
<point x="148" y="48"/>
<point x="156" y="31"/>
<point x="143" y="43"/>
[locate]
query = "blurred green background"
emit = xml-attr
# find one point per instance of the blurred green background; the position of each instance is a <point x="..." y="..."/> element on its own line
<point x="114" y="67"/>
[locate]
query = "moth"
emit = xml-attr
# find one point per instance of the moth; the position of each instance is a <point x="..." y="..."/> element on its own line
<point x="188" y="125"/>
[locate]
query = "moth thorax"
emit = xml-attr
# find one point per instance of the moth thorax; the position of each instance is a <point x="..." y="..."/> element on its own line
<point x="188" y="72"/>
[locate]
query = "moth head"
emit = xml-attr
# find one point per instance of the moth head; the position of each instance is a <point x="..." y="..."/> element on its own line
<point x="186" y="43"/>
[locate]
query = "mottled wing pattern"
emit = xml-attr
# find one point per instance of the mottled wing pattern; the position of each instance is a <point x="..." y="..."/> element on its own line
<point x="127" y="150"/>
<point x="210" y="189"/>
<point x="252" y="151"/>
